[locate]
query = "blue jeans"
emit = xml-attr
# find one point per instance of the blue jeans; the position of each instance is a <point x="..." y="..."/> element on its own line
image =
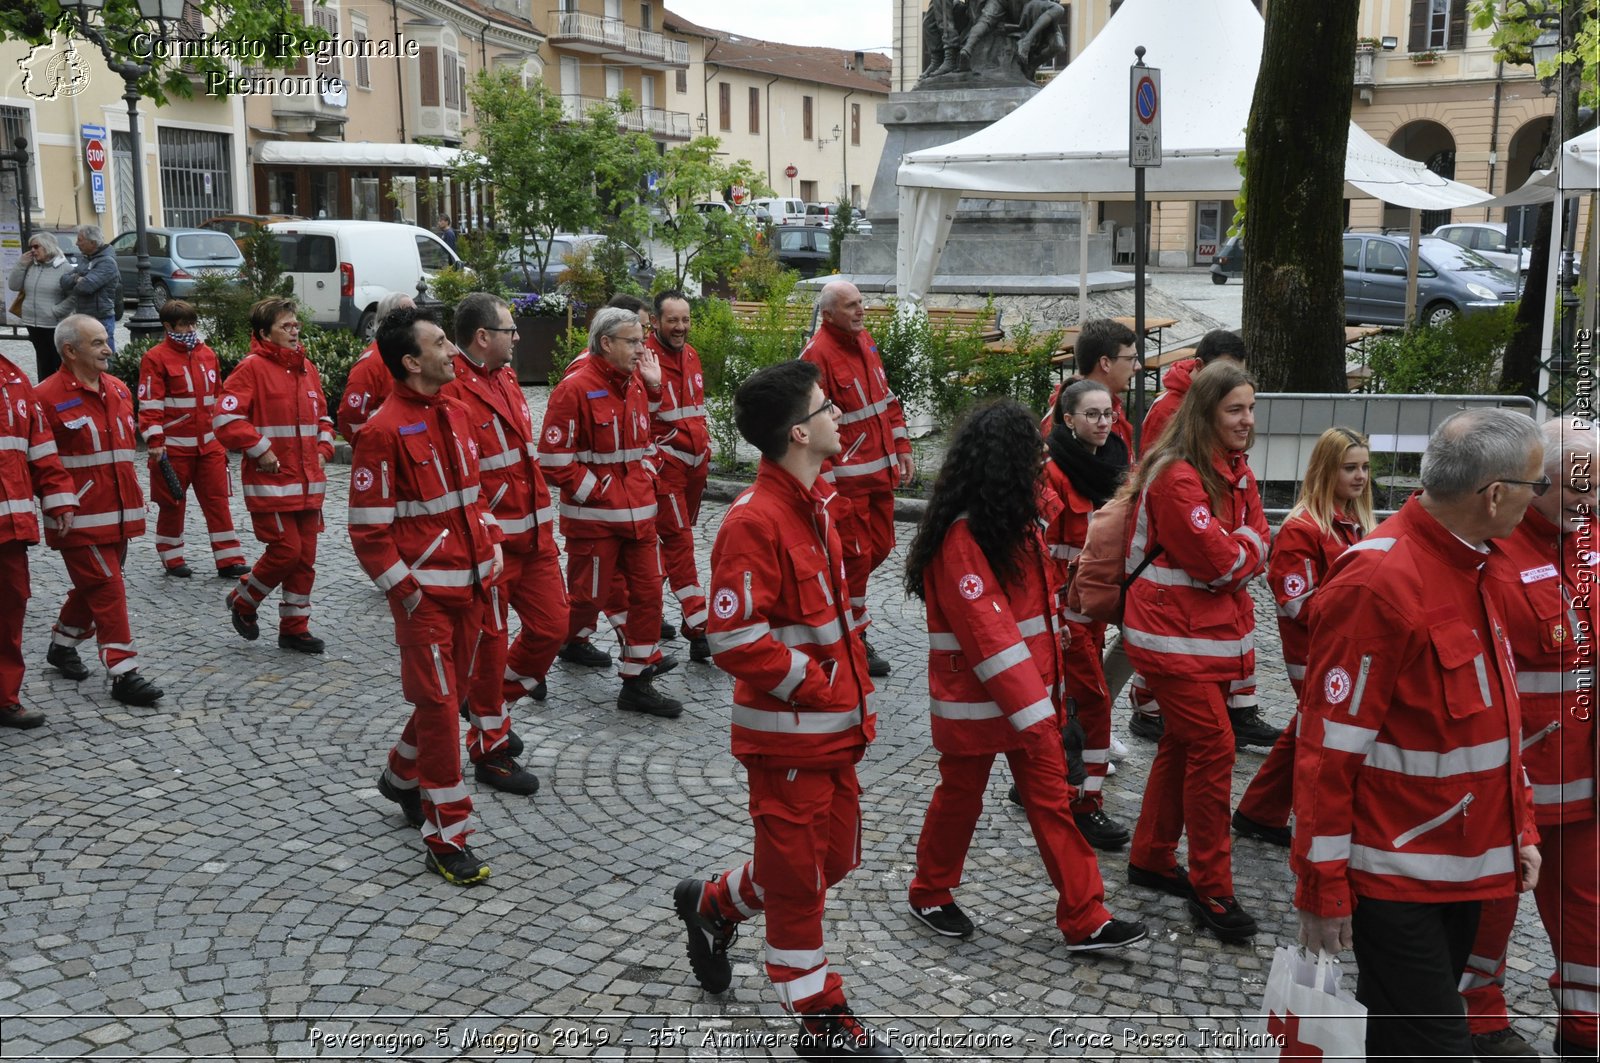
<point x="111" y="332"/>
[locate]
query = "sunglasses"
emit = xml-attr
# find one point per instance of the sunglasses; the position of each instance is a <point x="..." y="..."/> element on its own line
<point x="1540" y="486"/>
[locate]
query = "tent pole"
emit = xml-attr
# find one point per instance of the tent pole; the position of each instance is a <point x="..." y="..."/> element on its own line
<point x="1541" y="408"/>
<point x="1411" y="266"/>
<point x="1083" y="259"/>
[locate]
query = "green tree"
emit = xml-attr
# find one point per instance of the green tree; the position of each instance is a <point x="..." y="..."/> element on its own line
<point x="704" y="243"/>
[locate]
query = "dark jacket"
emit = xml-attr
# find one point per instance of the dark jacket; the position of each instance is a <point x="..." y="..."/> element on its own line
<point x="96" y="285"/>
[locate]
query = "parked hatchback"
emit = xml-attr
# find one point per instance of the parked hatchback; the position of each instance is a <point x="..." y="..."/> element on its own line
<point x="803" y="247"/>
<point x="1487" y="238"/>
<point x="1229" y="261"/>
<point x="1451" y="280"/>
<point x="178" y="259"/>
<point x="520" y="266"/>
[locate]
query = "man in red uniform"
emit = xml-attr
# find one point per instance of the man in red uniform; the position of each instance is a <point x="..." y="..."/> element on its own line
<point x="178" y="388"/>
<point x="876" y="454"/>
<point x="423" y="534"/>
<point x="369" y="382"/>
<point x="273" y="409"/>
<point x="780" y="626"/>
<point x="1409" y="717"/>
<point x="29" y="467"/>
<point x="1545" y="588"/>
<point x="90" y="413"/>
<point x="514" y="492"/>
<point x="683" y="444"/>
<point x="596" y="448"/>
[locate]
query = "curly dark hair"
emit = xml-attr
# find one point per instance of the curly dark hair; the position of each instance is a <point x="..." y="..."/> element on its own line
<point x="990" y="475"/>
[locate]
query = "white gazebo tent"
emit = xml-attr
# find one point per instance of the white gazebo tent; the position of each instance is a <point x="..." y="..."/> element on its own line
<point x="1070" y="142"/>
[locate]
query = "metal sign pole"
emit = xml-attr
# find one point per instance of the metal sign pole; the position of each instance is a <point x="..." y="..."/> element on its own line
<point x="1144" y="150"/>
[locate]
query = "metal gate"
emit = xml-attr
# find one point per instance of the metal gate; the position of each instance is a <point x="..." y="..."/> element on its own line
<point x="196" y="175"/>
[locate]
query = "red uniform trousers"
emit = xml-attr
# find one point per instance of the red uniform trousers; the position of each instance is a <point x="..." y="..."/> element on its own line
<point x="808" y="837"/>
<point x="677" y="513"/>
<point x="1189" y="785"/>
<point x="1270" y="796"/>
<point x="1042" y="782"/>
<point x="14" y="577"/>
<point x="1086" y="686"/>
<point x="1568" y="895"/>
<point x="592" y="566"/>
<point x="534" y="587"/>
<point x="288" y="560"/>
<point x="867" y="532"/>
<point x="97" y="604"/>
<point x="437" y="645"/>
<point x="208" y="475"/>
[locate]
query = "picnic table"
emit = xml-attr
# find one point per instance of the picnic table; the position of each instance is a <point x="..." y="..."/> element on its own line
<point x="1154" y="327"/>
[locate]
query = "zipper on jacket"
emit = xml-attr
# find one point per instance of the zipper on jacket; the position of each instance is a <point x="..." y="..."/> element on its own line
<point x="1540" y="735"/>
<point x="431" y="548"/>
<point x="383" y="469"/>
<point x="85" y="489"/>
<point x="1460" y="807"/>
<point x="438" y="467"/>
<point x="749" y="602"/>
<point x="438" y="669"/>
<point x="1360" y="690"/>
<point x="498" y="495"/>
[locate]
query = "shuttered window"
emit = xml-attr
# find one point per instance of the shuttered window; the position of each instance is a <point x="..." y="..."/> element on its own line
<point x="805" y="117"/>
<point x="724" y="106"/>
<point x="755" y="109"/>
<point x="428" y="72"/>
<point x="855" y="125"/>
<point x="1437" y="25"/>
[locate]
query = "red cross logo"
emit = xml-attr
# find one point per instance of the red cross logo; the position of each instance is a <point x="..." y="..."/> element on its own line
<point x="1287" y="1030"/>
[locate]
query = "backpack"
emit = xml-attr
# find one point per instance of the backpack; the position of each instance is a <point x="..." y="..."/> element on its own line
<point x="1096" y="586"/>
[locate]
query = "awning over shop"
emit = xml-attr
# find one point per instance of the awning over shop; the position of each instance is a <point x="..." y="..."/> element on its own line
<point x="408" y="156"/>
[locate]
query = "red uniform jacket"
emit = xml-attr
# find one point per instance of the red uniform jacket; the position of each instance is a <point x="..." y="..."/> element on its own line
<point x="872" y="428"/>
<point x="96" y="437"/>
<point x="1302" y="553"/>
<point x="678" y="413"/>
<point x="1544" y="584"/>
<point x="29" y="463"/>
<point x="1408" y="782"/>
<point x="416" y="519"/>
<point x="596" y="448"/>
<point x="779" y="625"/>
<point x="274" y="399"/>
<point x="1175" y="385"/>
<point x="1189" y="613"/>
<point x="178" y="392"/>
<point x="514" y="490"/>
<point x="994" y="649"/>
<point x="368" y="384"/>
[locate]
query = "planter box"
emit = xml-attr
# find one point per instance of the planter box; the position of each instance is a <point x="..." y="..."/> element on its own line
<point x="535" y="347"/>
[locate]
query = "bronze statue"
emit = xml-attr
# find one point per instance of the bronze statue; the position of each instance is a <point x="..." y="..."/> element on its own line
<point x="978" y="41"/>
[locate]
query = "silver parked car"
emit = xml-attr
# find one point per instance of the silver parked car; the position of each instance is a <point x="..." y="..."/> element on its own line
<point x="1487" y="238"/>
<point x="1450" y="280"/>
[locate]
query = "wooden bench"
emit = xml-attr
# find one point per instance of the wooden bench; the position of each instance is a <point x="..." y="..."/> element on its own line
<point x="948" y="319"/>
<point x="794" y="317"/>
<point x="1153" y="327"/>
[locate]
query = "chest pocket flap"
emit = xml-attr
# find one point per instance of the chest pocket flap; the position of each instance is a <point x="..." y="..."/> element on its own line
<point x="1465" y="666"/>
<point x="811" y="579"/>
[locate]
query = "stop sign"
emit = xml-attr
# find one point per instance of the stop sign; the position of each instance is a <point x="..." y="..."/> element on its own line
<point x="791" y="170"/>
<point x="94" y="153"/>
<point x="740" y="194"/>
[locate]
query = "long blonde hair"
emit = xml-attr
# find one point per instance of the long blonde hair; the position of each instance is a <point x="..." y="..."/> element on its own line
<point x="1192" y="435"/>
<point x="1322" y="479"/>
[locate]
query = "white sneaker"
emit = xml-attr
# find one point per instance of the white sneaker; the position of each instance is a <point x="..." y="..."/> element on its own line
<point x="1111" y="768"/>
<point x="1119" y="749"/>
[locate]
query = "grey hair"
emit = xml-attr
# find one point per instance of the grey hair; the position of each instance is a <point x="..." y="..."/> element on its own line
<point x="48" y="241"/>
<point x="389" y="304"/>
<point x="73" y="330"/>
<point x="1476" y="447"/>
<point x="93" y="233"/>
<point x="608" y="321"/>
<point x="1569" y="448"/>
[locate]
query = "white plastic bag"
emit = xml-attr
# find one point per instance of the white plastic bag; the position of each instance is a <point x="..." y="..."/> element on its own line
<point x="1307" y="1014"/>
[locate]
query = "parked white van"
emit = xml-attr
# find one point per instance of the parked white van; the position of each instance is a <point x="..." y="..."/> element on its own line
<point x="341" y="269"/>
<point x="785" y="210"/>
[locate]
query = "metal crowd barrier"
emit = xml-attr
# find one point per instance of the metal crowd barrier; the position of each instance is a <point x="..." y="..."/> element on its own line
<point x="1398" y="427"/>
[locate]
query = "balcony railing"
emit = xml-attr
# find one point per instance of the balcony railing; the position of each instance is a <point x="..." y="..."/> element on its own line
<point x="668" y="125"/>
<point x="616" y="37"/>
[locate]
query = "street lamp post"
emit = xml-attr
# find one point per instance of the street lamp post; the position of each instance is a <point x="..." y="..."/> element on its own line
<point x="145" y="321"/>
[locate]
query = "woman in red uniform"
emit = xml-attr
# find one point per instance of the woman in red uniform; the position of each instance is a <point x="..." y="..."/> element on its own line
<point x="1333" y="513"/>
<point x="995" y="675"/>
<point x="1198" y="538"/>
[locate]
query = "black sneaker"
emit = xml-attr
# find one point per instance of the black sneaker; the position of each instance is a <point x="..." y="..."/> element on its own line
<point x="1499" y="1044"/>
<point x="20" y="718"/>
<point x="1115" y="934"/>
<point x="1175" y="883"/>
<point x="65" y="660"/>
<point x="131" y="688"/>
<point x="1014" y="795"/>
<point x="667" y="663"/>
<point x="180" y="571"/>
<point x="1250" y="730"/>
<point x="244" y="623"/>
<point x="1223" y="917"/>
<point x="709" y="937"/>
<point x="668" y="632"/>
<point x="506" y="775"/>
<point x="1101" y="831"/>
<point x="233" y="571"/>
<point x="410" y="801"/>
<point x="585" y="653"/>
<point x="877" y="667"/>
<point x="946" y="919"/>
<point x="1245" y="827"/>
<point x="1147" y="725"/>
<point x="539" y="692"/>
<point x="838" y="1034"/>
<point x="639" y="695"/>
<point x="699" y="648"/>
<point x="303" y="643"/>
<point x="458" y="866"/>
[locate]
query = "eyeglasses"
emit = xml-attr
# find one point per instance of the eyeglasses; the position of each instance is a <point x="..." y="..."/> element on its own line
<point x="1540" y="486"/>
<point x="1102" y="416"/>
<point x="491" y="328"/>
<point x="827" y="404"/>
<point x="293" y="326"/>
<point x="1126" y="358"/>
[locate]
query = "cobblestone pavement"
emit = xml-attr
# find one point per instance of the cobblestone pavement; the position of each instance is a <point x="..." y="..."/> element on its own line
<point x="218" y="878"/>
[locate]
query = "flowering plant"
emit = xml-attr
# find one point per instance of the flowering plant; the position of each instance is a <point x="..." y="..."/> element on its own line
<point x="550" y="304"/>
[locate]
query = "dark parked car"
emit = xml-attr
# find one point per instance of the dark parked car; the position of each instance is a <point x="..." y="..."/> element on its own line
<point x="178" y="258"/>
<point x="1229" y="261"/>
<point x="803" y="247"/>
<point x="1451" y="280"/>
<point x="520" y="266"/>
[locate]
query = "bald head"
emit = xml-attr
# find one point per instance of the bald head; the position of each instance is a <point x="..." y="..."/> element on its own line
<point x="841" y="305"/>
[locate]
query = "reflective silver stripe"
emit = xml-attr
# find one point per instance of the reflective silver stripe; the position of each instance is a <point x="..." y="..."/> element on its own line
<point x="1577" y="1001"/>
<point x="1427" y="765"/>
<point x="105" y="457"/>
<point x="1040" y="710"/>
<point x="1325" y="847"/>
<point x="1227" y="577"/>
<point x="1433" y="867"/>
<point x="808" y="985"/>
<point x="1176" y="577"/>
<point x="258" y="448"/>
<point x="43" y="450"/>
<point x="691" y="460"/>
<point x="555" y="461"/>
<point x="1063" y="552"/>
<point x="1189" y="647"/>
<point x="870" y="410"/>
<point x="994" y="664"/>
<point x="1381" y="545"/>
<point x="371" y="515"/>
<point x="799" y="723"/>
<point x="226" y="418"/>
<point x="435" y="506"/>
<point x="944" y="642"/>
<point x="97" y="520"/>
<point x="585" y="487"/>
<point x="1292" y="606"/>
<point x="964" y="710"/>
<point x="797" y="673"/>
<point x="793" y="635"/>
<point x="504" y="459"/>
<point x="1561" y="793"/>
<point x="866" y="468"/>
<point x="285" y="431"/>
<point x="457" y="792"/>
<point x="800" y="959"/>
<point x="1347" y="739"/>
<point x="545" y="515"/>
<point x="683" y="413"/>
<point x="609" y="516"/>
<point x="1251" y="534"/>
<point x="13" y="443"/>
<point x="613" y="457"/>
<point x="1479" y="666"/>
<point x="391" y="577"/>
<point x="1297" y="671"/>
<point x="1457" y="809"/>
<point x="732" y="639"/>
<point x="1580" y="973"/>
<point x="190" y="441"/>
<point x="187" y="402"/>
<point x="283" y="490"/>
<point x="1552" y="682"/>
<point x="517" y="525"/>
<point x="1035" y="625"/>
<point x="447" y="577"/>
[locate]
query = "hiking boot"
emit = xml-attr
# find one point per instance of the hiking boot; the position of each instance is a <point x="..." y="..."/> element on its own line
<point x="458" y="867"/>
<point x="1250" y="730"/>
<point x="1101" y="831"/>
<point x="877" y="667"/>
<point x="639" y="695"/>
<point x="1147" y="725"/>
<point x="668" y="632"/>
<point x="667" y="663"/>
<point x="180" y="571"/>
<point x="305" y="642"/>
<point x="131" y="688"/>
<point x="1497" y="1044"/>
<point x="1113" y="934"/>
<point x="585" y="653"/>
<point x="20" y="718"/>
<point x="1174" y="882"/>
<point x="1223" y="917"/>
<point x="838" y="1034"/>
<point x="244" y="623"/>
<point x="539" y="692"/>
<point x="709" y="937"/>
<point x="410" y="801"/>
<point x="513" y="745"/>
<point x="1245" y="827"/>
<point x="65" y="660"/>
<point x="233" y="571"/>
<point x="506" y="775"/>
<point x="699" y="648"/>
<point x="946" y="919"/>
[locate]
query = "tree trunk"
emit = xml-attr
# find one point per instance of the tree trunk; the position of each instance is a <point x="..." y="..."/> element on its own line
<point x="1294" y="151"/>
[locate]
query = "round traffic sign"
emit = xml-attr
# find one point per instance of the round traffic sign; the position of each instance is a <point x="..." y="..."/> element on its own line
<point x="1144" y="100"/>
<point x="791" y="170"/>
<point x="94" y="153"/>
